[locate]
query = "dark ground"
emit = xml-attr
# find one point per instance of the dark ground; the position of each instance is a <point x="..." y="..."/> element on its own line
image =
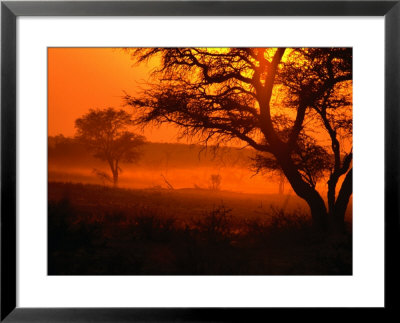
<point x="96" y="230"/>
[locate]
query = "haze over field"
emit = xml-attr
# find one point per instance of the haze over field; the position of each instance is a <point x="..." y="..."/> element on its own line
<point x="181" y="165"/>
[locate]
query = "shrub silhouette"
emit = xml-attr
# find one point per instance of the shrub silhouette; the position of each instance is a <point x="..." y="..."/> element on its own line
<point x="215" y="224"/>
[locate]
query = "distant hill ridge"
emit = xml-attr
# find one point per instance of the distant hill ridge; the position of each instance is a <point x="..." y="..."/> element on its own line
<point x="68" y="151"/>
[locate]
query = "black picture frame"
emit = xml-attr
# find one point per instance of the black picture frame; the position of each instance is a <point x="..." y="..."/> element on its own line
<point x="10" y="10"/>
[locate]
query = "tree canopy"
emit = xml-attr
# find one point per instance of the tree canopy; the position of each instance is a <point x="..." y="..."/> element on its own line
<point x="105" y="132"/>
<point x="292" y="105"/>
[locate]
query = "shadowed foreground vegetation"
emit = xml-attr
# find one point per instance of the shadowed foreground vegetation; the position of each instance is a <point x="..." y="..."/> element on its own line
<point x="133" y="232"/>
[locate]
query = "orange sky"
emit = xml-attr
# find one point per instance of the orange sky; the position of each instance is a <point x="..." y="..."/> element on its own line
<point x="83" y="78"/>
<point x="80" y="79"/>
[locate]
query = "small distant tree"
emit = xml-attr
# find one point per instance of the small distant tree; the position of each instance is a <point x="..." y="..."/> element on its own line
<point x="215" y="182"/>
<point x="105" y="133"/>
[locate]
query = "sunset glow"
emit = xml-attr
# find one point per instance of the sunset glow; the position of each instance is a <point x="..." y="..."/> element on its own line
<point x="200" y="161"/>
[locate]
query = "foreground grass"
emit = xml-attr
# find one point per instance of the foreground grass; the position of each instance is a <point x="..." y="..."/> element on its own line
<point x="102" y="231"/>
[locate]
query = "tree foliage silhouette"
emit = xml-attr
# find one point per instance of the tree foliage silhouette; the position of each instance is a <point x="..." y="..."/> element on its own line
<point x="104" y="132"/>
<point x="293" y="106"/>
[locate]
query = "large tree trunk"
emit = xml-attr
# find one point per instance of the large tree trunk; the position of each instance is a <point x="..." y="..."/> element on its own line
<point x="331" y="221"/>
<point x="308" y="193"/>
<point x="338" y="212"/>
<point x="319" y="213"/>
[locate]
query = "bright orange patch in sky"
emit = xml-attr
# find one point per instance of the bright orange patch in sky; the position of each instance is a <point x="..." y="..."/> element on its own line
<point x="80" y="79"/>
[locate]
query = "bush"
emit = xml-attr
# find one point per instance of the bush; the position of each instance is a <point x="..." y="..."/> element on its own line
<point x="281" y="220"/>
<point x="216" y="224"/>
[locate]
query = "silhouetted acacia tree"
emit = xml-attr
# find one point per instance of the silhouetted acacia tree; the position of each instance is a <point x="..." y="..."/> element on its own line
<point x="105" y="133"/>
<point x="293" y="106"/>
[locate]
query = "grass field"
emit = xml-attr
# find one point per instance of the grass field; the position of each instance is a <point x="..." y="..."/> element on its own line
<point x="98" y="230"/>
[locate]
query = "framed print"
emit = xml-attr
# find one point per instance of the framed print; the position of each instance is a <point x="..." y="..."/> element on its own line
<point x="193" y="160"/>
